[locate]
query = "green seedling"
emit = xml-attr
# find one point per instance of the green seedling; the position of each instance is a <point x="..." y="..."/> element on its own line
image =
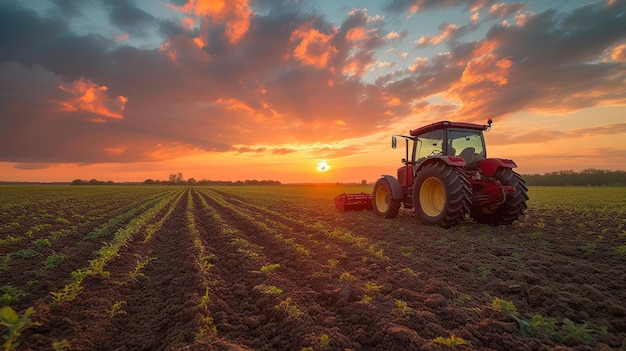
<point x="547" y="327"/>
<point x="347" y="278"/>
<point x="403" y="307"/>
<point x="26" y="253"/>
<point x="10" y="319"/>
<point x="406" y="251"/>
<point x="41" y="243"/>
<point x="10" y="294"/>
<point x="266" y="270"/>
<point x="290" y="308"/>
<point x="141" y="263"/>
<point x="204" y="302"/>
<point x="324" y="342"/>
<point x="53" y="261"/>
<point x="451" y="341"/>
<point x="270" y="289"/>
<point x="62" y="345"/>
<point x="367" y="299"/>
<point x="117" y="308"/>
<point x="69" y="293"/>
<point x="372" y="287"/>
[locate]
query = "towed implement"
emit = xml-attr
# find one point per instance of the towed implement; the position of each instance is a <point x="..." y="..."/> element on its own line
<point x="446" y="176"/>
<point x="354" y="202"/>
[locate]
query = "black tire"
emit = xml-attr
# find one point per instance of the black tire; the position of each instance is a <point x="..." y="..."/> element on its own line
<point x="441" y="195"/>
<point x="514" y="206"/>
<point x="383" y="201"/>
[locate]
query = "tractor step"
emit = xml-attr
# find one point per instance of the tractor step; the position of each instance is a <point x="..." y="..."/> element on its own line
<point x="353" y="202"/>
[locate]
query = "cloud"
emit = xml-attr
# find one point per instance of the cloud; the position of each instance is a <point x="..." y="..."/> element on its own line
<point x="92" y="98"/>
<point x="448" y="32"/>
<point x="413" y="6"/>
<point x="504" y="10"/>
<point x="312" y="47"/>
<point x="234" y="15"/>
<point x="129" y="18"/>
<point x="542" y="136"/>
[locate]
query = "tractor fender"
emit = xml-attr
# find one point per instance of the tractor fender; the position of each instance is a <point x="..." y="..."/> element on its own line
<point x="490" y="166"/>
<point x="449" y="160"/>
<point x="396" y="189"/>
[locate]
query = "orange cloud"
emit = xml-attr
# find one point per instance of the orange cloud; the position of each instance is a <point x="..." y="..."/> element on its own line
<point x="188" y="23"/>
<point x="356" y="34"/>
<point x="122" y="37"/>
<point x="313" y="48"/>
<point x="488" y="68"/>
<point x="234" y="14"/>
<point x="263" y="114"/>
<point x="619" y="53"/>
<point x="93" y="98"/>
<point x="116" y="150"/>
<point x="448" y="31"/>
<point x="168" y="152"/>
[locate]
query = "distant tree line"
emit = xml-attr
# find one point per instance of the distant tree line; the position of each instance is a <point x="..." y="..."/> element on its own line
<point x="587" y="177"/>
<point x="177" y="179"/>
<point x="91" y="182"/>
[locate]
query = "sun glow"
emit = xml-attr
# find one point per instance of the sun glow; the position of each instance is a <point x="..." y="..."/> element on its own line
<point x="322" y="166"/>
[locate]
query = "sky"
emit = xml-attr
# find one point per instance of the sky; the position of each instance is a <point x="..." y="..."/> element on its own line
<point x="302" y="90"/>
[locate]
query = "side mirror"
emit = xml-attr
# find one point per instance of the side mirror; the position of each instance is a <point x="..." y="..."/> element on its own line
<point x="394" y="142"/>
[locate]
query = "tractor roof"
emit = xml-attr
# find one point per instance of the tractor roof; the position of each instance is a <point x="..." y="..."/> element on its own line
<point x="447" y="124"/>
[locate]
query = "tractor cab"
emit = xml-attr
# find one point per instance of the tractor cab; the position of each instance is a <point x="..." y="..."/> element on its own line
<point x="452" y="139"/>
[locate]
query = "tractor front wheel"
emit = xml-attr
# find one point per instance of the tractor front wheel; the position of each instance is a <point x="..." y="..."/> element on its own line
<point x="441" y="194"/>
<point x="383" y="201"/>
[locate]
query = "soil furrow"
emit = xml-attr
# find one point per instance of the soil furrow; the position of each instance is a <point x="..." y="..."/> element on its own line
<point x="161" y="312"/>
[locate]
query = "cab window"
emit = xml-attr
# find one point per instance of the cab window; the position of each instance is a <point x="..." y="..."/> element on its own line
<point x="467" y="144"/>
<point x="429" y="144"/>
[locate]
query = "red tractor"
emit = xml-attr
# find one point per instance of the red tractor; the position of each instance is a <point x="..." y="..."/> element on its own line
<point x="449" y="176"/>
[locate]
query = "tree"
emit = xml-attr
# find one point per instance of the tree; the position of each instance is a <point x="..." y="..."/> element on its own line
<point x="176" y="178"/>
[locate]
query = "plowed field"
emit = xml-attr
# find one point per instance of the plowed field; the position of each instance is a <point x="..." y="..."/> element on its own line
<point x="279" y="268"/>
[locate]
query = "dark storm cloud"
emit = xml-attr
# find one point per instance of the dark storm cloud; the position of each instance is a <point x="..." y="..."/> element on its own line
<point x="404" y="6"/>
<point x="69" y="7"/>
<point x="24" y="35"/>
<point x="127" y="17"/>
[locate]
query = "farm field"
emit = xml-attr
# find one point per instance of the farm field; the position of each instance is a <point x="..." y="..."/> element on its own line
<point x="279" y="268"/>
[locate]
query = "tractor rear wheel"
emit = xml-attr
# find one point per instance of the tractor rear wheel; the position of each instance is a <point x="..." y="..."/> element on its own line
<point x="441" y="195"/>
<point x="513" y="207"/>
<point x="383" y="201"/>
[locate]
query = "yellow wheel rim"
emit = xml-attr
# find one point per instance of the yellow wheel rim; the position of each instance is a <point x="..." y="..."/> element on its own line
<point x="382" y="199"/>
<point x="432" y="197"/>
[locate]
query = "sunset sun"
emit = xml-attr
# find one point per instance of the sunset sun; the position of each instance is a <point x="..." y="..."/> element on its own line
<point x="322" y="166"/>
